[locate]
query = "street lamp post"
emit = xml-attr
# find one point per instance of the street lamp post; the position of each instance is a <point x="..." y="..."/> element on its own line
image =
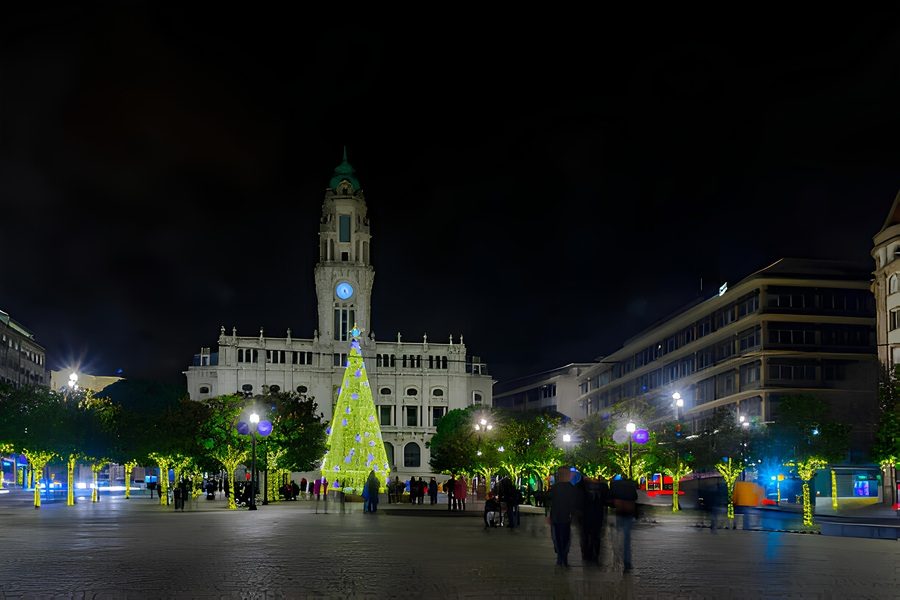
<point x="254" y="421"/>
<point x="745" y="427"/>
<point x="266" y="482"/>
<point x="481" y="427"/>
<point x="630" y="428"/>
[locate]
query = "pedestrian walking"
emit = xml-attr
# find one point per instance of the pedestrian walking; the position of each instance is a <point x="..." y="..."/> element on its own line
<point x="317" y="487"/>
<point x="563" y="506"/>
<point x="509" y="496"/>
<point x="303" y="487"/>
<point x="623" y="493"/>
<point x="594" y="500"/>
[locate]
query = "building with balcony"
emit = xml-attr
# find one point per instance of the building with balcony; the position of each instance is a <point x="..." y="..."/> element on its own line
<point x="796" y="326"/>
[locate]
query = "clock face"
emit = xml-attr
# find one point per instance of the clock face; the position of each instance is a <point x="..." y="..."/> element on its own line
<point x="343" y="290"/>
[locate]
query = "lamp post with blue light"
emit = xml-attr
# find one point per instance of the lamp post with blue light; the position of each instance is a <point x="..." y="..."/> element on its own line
<point x="264" y="428"/>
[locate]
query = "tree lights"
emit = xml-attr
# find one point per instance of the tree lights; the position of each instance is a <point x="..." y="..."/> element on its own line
<point x="355" y="447"/>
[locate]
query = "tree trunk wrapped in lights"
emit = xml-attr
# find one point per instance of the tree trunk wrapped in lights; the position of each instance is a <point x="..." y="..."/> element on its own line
<point x="70" y="473"/>
<point x="806" y="469"/>
<point x="4" y="449"/>
<point x="129" y="467"/>
<point x="730" y="473"/>
<point x="834" y="494"/>
<point x="162" y="484"/>
<point x="355" y="446"/>
<point x="230" y="459"/>
<point x="38" y="460"/>
<point x="680" y="471"/>
<point x="96" y="467"/>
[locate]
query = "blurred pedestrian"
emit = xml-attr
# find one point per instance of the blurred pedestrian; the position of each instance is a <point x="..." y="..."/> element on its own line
<point x="594" y="500"/>
<point x="623" y="493"/>
<point x="492" y="513"/>
<point x="563" y="505"/>
<point x="460" y="491"/>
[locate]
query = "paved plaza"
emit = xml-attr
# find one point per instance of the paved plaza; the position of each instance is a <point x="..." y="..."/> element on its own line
<point x="139" y="549"/>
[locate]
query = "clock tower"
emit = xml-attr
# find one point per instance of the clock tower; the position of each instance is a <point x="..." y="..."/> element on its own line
<point x="344" y="273"/>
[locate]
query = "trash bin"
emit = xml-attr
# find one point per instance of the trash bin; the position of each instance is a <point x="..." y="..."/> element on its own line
<point x="179" y="501"/>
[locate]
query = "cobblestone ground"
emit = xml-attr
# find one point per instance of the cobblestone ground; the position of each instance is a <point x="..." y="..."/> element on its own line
<point x="137" y="549"/>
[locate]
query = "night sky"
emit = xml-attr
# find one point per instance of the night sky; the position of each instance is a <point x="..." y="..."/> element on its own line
<point x="545" y="189"/>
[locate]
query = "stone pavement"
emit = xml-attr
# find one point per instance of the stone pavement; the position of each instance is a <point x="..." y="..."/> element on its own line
<point x="138" y="549"/>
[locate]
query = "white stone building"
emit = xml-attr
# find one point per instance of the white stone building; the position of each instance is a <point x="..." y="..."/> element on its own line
<point x="414" y="383"/>
<point x="886" y="286"/>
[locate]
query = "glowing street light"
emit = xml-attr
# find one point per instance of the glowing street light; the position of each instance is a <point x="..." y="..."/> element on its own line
<point x="567" y="438"/>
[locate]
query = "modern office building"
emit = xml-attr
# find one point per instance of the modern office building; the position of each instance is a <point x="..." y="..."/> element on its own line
<point x="22" y="360"/>
<point x="796" y="326"/>
<point x="414" y="383"/>
<point x="556" y="390"/>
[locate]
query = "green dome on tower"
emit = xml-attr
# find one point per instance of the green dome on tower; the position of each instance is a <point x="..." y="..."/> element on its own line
<point x="344" y="171"/>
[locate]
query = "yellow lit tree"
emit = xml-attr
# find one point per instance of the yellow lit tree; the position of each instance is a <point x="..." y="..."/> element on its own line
<point x="355" y="447"/>
<point x="730" y="472"/>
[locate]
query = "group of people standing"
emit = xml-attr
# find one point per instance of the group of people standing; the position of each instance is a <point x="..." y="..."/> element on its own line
<point x="586" y="501"/>
<point x="418" y="488"/>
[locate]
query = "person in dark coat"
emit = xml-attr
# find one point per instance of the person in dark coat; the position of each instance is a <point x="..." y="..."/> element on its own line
<point x="295" y="490"/>
<point x="594" y="499"/>
<point x="432" y="490"/>
<point x="564" y="503"/>
<point x="450" y="488"/>
<point x="509" y="496"/>
<point x="372" y="485"/>
<point x="624" y="497"/>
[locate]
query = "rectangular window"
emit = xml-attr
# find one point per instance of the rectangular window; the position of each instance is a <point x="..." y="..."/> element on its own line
<point x="895" y="319"/>
<point x="385" y="414"/>
<point x="725" y="384"/>
<point x="792" y="371"/>
<point x="345" y="228"/>
<point x="431" y="362"/>
<point x="750" y="375"/>
<point x="340" y="360"/>
<point x="437" y="413"/>
<point x="706" y="390"/>
<point x="748" y="339"/>
<point x="412" y="416"/>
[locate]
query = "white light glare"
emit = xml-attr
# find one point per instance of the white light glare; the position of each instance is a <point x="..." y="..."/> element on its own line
<point x="630" y="427"/>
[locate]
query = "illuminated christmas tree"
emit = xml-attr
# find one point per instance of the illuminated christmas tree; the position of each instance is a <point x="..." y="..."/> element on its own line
<point x="354" y="444"/>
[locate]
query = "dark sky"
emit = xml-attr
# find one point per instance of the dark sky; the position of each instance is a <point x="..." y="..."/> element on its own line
<point x="546" y="188"/>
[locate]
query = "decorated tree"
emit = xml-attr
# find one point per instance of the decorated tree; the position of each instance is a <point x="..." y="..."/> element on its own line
<point x="354" y="446"/>
<point x="219" y="436"/>
<point x="805" y="433"/>
<point x="672" y="458"/>
<point x="297" y="441"/>
<point x="595" y="451"/>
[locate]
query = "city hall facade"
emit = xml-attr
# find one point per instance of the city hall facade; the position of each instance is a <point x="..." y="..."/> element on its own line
<point x="414" y="382"/>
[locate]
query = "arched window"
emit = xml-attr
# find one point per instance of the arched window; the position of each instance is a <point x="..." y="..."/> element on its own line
<point x="412" y="392"/>
<point x="892" y="284"/>
<point x="438" y="392"/>
<point x="274" y="389"/>
<point x="247" y="387"/>
<point x="389" y="449"/>
<point x="385" y="391"/>
<point x="204" y="389"/>
<point x="476" y="398"/>
<point x="412" y="455"/>
<point x="302" y="389"/>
